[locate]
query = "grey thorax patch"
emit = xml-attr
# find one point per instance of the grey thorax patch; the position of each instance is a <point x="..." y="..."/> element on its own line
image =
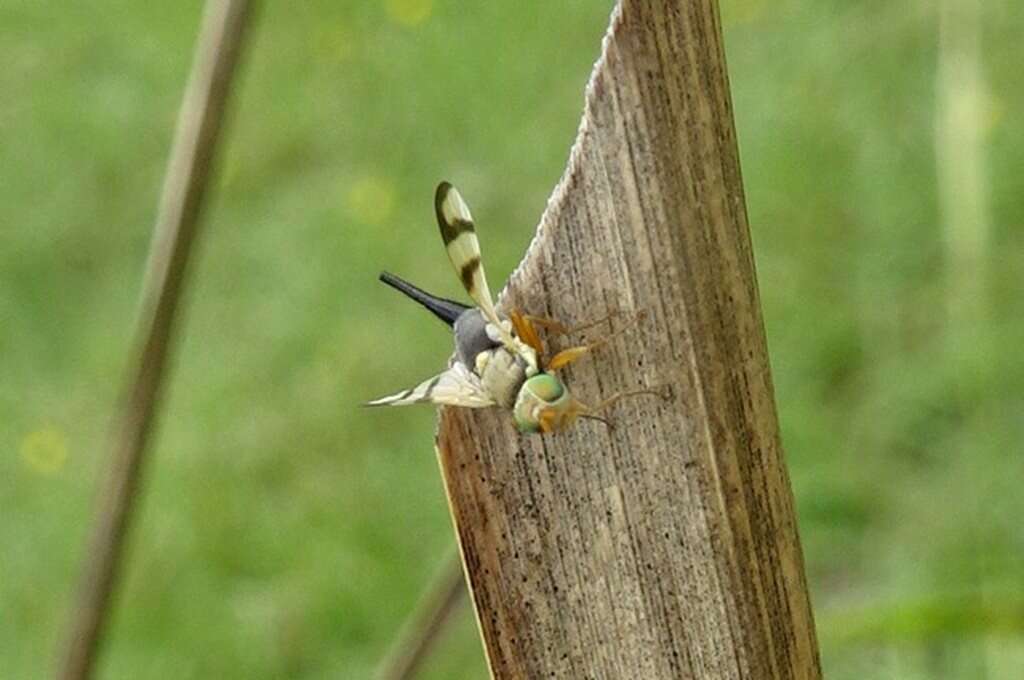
<point x="471" y="337"/>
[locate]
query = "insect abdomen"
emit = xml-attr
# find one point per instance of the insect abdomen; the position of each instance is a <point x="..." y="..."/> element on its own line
<point x="502" y="374"/>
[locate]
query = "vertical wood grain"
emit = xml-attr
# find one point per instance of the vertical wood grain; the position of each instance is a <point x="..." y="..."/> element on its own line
<point x="667" y="547"/>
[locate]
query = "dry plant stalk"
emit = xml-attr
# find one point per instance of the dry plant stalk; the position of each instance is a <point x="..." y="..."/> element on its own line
<point x="426" y="623"/>
<point x="667" y="547"/>
<point x="188" y="174"/>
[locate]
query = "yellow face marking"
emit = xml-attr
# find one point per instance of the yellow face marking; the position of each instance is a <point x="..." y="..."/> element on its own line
<point x="546" y="419"/>
<point x="558" y="418"/>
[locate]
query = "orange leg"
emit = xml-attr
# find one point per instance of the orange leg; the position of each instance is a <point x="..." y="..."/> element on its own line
<point x="592" y="413"/>
<point x="622" y="395"/>
<point x="567" y="356"/>
<point x="558" y="328"/>
<point x="526" y="332"/>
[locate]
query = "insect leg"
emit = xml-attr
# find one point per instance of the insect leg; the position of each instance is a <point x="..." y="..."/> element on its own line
<point x="558" y="328"/>
<point x="567" y="356"/>
<point x="623" y="395"/>
<point x="550" y="325"/>
<point x="525" y="331"/>
<point x="591" y="413"/>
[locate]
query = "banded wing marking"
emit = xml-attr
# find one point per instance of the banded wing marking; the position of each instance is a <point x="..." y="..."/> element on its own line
<point x="457" y="386"/>
<point x="459" y="236"/>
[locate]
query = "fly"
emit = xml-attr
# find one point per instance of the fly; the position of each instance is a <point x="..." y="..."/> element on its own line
<point x="497" y="362"/>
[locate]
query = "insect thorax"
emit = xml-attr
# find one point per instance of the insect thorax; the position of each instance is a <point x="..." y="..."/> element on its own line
<point x="501" y="371"/>
<point x="471" y="337"/>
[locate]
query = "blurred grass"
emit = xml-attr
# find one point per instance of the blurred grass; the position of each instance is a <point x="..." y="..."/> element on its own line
<point x="285" y="532"/>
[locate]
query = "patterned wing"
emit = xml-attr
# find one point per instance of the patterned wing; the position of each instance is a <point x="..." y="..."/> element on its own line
<point x="456" y="387"/>
<point x="463" y="248"/>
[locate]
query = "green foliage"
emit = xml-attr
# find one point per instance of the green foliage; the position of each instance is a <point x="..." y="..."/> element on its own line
<point x="286" y="532"/>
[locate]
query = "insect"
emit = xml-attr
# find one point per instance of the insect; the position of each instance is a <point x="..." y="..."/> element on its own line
<point x="497" y="362"/>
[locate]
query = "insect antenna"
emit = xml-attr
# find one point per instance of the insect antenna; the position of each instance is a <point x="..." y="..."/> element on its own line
<point x="590" y="416"/>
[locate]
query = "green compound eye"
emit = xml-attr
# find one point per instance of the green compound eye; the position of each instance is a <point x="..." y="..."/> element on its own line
<point x="545" y="387"/>
<point x="543" y="393"/>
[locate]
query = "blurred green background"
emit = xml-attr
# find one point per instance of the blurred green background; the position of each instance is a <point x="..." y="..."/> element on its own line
<point x="285" y="532"/>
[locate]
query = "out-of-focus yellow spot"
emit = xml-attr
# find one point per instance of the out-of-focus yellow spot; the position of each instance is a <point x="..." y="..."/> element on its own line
<point x="45" y="451"/>
<point x="743" y="11"/>
<point x="371" y="199"/>
<point x="409" y="12"/>
<point x="995" y="112"/>
<point x="334" y="44"/>
<point x="229" y="169"/>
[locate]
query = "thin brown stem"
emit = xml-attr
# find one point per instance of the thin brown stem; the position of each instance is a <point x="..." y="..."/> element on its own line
<point x="177" y="223"/>
<point x="428" y="621"/>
